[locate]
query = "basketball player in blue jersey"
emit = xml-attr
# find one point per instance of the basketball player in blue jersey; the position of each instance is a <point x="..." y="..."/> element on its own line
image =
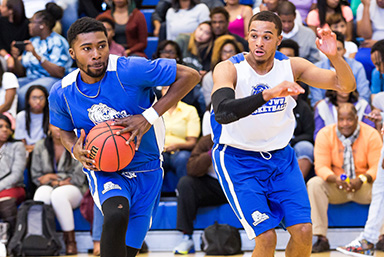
<point x="108" y="87"/>
<point x="252" y="123"/>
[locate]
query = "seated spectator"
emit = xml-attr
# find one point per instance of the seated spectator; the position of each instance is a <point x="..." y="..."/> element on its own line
<point x="377" y="56"/>
<point x="304" y="7"/>
<point x="349" y="148"/>
<point x="8" y="87"/>
<point x="337" y="22"/>
<point x="114" y="48"/>
<point x="302" y="140"/>
<point x="182" y="125"/>
<point x="239" y="16"/>
<point x="184" y="17"/>
<point x="159" y="15"/>
<point x="369" y="26"/>
<point x="130" y="26"/>
<point x="317" y="17"/>
<point x="326" y="110"/>
<point x="196" y="47"/>
<point x="170" y="49"/>
<point x="46" y="57"/>
<point x="199" y="188"/>
<point x="272" y="5"/>
<point x="32" y="123"/>
<point x="304" y="36"/>
<point x="13" y="27"/>
<point x="91" y="8"/>
<point x="224" y="48"/>
<point x="12" y="163"/>
<point x="362" y="83"/>
<point x="219" y="22"/>
<point x="373" y="230"/>
<point x="59" y="179"/>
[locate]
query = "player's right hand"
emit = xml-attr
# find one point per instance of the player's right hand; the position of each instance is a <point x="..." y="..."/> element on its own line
<point x="82" y="154"/>
<point x="285" y="88"/>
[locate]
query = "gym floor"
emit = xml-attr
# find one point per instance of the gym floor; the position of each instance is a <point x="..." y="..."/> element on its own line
<point x="246" y="254"/>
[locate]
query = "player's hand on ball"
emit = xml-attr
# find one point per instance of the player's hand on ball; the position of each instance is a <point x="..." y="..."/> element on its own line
<point x="135" y="124"/>
<point x="81" y="154"/>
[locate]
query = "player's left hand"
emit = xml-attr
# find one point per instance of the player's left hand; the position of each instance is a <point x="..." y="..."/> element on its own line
<point x="326" y="42"/>
<point x="137" y="125"/>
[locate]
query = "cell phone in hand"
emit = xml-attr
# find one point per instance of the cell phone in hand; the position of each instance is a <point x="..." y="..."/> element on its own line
<point x="20" y="43"/>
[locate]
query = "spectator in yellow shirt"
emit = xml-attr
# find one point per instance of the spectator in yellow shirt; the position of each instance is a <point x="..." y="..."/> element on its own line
<point x="346" y="159"/>
<point x="182" y="125"/>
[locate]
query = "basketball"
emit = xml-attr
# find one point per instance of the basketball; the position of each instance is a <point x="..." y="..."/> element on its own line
<point x="110" y="151"/>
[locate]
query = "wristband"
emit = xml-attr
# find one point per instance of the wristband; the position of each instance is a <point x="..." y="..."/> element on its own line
<point x="73" y="156"/>
<point x="150" y="115"/>
<point x="6" y="57"/>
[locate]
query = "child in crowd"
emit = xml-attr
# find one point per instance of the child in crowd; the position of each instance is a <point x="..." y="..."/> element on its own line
<point x="337" y="22"/>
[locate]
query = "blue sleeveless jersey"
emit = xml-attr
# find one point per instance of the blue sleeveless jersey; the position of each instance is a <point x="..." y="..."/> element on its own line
<point x="126" y="89"/>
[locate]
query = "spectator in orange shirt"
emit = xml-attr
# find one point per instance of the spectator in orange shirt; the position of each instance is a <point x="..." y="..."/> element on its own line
<point x="342" y="150"/>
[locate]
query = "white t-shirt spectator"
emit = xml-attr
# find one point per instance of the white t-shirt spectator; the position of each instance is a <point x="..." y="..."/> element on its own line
<point x="36" y="128"/>
<point x="185" y="21"/>
<point x="376" y="14"/>
<point x="9" y="81"/>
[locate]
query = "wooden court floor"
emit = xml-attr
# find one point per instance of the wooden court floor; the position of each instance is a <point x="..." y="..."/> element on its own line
<point x="246" y="254"/>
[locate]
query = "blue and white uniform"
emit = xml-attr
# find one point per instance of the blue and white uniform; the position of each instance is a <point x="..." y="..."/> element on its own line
<point x="256" y="166"/>
<point x="126" y="89"/>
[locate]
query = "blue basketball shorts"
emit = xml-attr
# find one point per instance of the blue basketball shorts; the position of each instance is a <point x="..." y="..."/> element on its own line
<point x="142" y="189"/>
<point x="262" y="188"/>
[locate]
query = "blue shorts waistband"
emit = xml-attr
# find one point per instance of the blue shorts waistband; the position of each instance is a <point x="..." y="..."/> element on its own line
<point x="234" y="150"/>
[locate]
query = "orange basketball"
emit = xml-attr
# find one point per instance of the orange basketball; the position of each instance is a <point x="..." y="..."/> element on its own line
<point x="109" y="150"/>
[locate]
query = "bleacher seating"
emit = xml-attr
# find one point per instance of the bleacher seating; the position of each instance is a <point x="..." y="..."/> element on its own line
<point x="148" y="14"/>
<point x="151" y="46"/>
<point x="149" y="3"/>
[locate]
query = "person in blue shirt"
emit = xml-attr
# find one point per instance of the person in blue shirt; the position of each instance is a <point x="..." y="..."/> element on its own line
<point x="377" y="56"/>
<point x="362" y="83"/>
<point x="109" y="87"/>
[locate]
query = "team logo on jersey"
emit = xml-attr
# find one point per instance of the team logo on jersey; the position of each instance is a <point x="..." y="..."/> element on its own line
<point x="258" y="217"/>
<point x="110" y="186"/>
<point x="101" y="112"/>
<point x="274" y="105"/>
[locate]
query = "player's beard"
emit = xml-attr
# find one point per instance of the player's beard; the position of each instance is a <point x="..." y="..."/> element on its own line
<point x="92" y="74"/>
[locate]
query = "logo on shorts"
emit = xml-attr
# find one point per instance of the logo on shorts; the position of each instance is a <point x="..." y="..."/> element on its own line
<point x="109" y="186"/>
<point x="259" y="217"/>
<point x="129" y="174"/>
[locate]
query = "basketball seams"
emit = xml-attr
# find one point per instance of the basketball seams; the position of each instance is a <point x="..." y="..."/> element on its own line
<point x="108" y="150"/>
<point x="117" y="148"/>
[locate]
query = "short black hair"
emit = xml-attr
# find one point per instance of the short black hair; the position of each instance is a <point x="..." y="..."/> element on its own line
<point x="378" y="46"/>
<point x="219" y="9"/>
<point x="84" y="25"/>
<point x="267" y="16"/>
<point x="286" y="8"/>
<point x="50" y="14"/>
<point x="339" y="37"/>
<point x="107" y="20"/>
<point x="289" y="43"/>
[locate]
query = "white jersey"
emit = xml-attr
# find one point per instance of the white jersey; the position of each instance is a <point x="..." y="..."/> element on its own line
<point x="271" y="126"/>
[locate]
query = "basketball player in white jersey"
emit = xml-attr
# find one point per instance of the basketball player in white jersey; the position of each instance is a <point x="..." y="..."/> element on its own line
<point x="252" y="123"/>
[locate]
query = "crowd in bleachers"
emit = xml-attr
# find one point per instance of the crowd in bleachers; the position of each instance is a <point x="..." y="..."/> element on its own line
<point x="34" y="54"/>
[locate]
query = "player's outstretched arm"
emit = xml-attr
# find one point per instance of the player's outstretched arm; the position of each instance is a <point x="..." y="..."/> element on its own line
<point x="186" y="79"/>
<point x="342" y="80"/>
<point x="228" y="109"/>
<point x="74" y="145"/>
